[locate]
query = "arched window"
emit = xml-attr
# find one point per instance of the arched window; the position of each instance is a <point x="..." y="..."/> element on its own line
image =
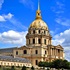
<point x="25" y="51"/>
<point x="44" y="41"/>
<point x="33" y="31"/>
<point x="33" y="41"/>
<point x="39" y="31"/>
<point x="16" y="52"/>
<point x="38" y="13"/>
<point x="39" y="41"/>
<point x="45" y="52"/>
<point x="36" y="51"/>
<point x="36" y="62"/>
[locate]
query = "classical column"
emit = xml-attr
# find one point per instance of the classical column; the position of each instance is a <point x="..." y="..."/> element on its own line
<point x="51" y="51"/>
<point x="31" y="41"/>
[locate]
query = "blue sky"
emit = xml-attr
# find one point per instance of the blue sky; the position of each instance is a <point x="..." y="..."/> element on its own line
<point x="17" y="15"/>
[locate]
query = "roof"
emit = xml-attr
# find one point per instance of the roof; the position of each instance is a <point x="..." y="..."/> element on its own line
<point x="57" y="47"/>
<point x="12" y="59"/>
<point x="7" y="50"/>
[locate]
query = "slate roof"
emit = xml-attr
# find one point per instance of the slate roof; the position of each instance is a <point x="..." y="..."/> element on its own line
<point x="7" y="50"/>
<point x="12" y="59"/>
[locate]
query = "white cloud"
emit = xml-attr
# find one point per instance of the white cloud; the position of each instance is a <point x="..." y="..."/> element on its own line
<point x="13" y="37"/>
<point x="28" y="3"/>
<point x="63" y="21"/>
<point x="58" y="8"/>
<point x="8" y="16"/>
<point x="67" y="53"/>
<point x="60" y="5"/>
<point x="63" y="39"/>
<point x="5" y="17"/>
<point x="2" y="18"/>
<point x="18" y="24"/>
<point x="1" y="2"/>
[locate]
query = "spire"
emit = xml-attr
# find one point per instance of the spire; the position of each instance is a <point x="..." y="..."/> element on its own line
<point x="38" y="5"/>
<point x="38" y="13"/>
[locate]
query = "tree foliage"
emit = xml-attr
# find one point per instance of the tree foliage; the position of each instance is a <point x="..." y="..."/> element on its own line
<point x="32" y="68"/>
<point x="24" y="68"/>
<point x="12" y="68"/>
<point x="58" y="64"/>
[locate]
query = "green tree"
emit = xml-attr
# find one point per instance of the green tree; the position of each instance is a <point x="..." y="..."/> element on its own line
<point x="12" y="68"/>
<point x="69" y="65"/>
<point x="57" y="64"/>
<point x="0" y="67"/>
<point x="41" y="64"/>
<point x="32" y="68"/>
<point x="45" y="64"/>
<point x="65" y="64"/>
<point x="23" y="68"/>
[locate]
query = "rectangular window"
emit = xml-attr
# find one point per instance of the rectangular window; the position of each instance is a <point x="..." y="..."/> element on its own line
<point x="36" y="62"/>
<point x="33" y="41"/>
<point x="39" y="41"/>
<point x="36" y="51"/>
<point x="44" y="41"/>
<point x="58" y="51"/>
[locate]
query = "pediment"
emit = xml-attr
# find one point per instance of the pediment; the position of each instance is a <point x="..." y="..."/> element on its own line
<point x="59" y="46"/>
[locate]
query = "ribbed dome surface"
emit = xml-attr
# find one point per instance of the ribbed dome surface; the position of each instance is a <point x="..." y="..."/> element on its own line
<point x="39" y="23"/>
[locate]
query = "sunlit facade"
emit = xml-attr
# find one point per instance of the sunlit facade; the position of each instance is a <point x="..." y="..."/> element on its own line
<point x="39" y="43"/>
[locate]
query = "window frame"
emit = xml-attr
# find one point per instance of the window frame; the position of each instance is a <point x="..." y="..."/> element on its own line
<point x="33" y="31"/>
<point x="36" y="62"/>
<point x="39" y="41"/>
<point x="33" y="41"/>
<point x="45" y="41"/>
<point x="16" y="52"/>
<point x="36" y="51"/>
<point x="25" y="52"/>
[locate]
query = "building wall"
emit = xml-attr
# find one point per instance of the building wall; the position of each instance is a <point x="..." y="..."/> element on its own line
<point x="50" y="54"/>
<point x="9" y="63"/>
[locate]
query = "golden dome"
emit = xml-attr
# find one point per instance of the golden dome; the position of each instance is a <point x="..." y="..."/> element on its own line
<point x="38" y="22"/>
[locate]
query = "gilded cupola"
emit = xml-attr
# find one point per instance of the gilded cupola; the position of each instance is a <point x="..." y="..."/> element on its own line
<point x="38" y="23"/>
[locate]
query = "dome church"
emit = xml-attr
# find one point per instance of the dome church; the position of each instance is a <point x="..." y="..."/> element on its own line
<point x="39" y="43"/>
